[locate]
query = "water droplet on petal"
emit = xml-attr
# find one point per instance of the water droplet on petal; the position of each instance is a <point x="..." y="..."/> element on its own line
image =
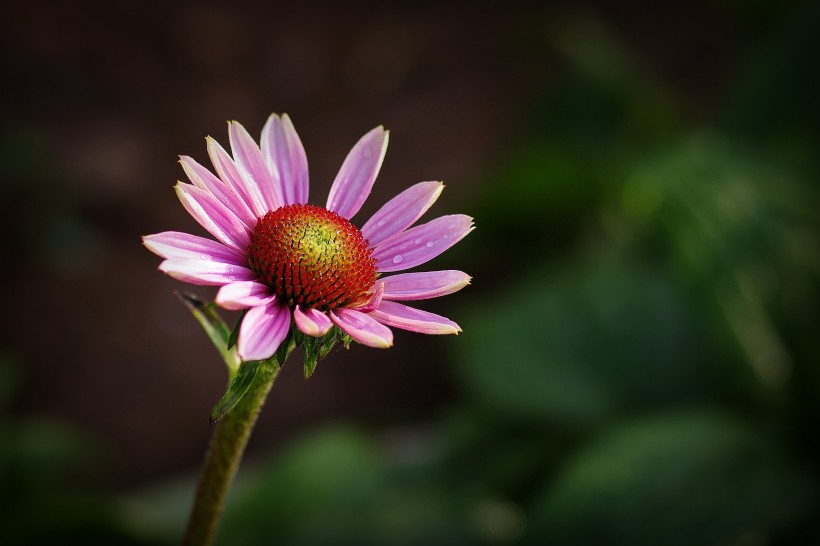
<point x="204" y="257"/>
<point x="418" y="241"/>
<point x="429" y="244"/>
<point x="398" y="259"/>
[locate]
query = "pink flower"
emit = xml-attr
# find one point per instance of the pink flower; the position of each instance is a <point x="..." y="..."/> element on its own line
<point x="286" y="261"/>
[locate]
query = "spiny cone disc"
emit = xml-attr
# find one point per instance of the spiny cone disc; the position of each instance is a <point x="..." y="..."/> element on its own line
<point x="312" y="257"/>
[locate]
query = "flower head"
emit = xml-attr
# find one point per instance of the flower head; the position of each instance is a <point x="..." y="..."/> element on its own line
<point x="289" y="263"/>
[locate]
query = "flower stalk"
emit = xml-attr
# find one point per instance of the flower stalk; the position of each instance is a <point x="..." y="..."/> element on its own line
<point x="224" y="454"/>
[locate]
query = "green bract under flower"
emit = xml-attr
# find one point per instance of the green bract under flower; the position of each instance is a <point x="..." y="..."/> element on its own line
<point x="312" y="257"/>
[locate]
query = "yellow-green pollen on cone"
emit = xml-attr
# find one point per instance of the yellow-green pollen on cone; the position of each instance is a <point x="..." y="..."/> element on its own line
<point x="312" y="257"/>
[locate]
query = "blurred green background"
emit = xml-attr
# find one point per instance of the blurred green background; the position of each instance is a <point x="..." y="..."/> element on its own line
<point x="640" y="362"/>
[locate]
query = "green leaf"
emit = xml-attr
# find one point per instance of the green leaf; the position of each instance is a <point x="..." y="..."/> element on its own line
<point x="232" y="339"/>
<point x="214" y="327"/>
<point x="236" y="390"/>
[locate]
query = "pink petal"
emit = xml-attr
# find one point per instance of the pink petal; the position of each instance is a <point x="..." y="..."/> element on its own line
<point x="362" y="328"/>
<point x="237" y="178"/>
<point x="422" y="243"/>
<point x="175" y="244"/>
<point x="284" y="154"/>
<point x="205" y="272"/>
<point x="213" y="216"/>
<point x="241" y="295"/>
<point x="204" y="179"/>
<point x="358" y="172"/>
<point x="424" y="285"/>
<point x="312" y="321"/>
<point x="262" y="331"/>
<point x="247" y="155"/>
<point x="415" y="320"/>
<point x="401" y="212"/>
<point x="374" y="302"/>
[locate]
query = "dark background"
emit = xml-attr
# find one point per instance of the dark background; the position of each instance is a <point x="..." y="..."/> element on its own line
<point x="639" y="362"/>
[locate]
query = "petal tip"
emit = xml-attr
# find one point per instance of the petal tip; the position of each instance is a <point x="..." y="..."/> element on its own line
<point x="234" y="124"/>
<point x="148" y="240"/>
<point x="453" y="330"/>
<point x="379" y="133"/>
<point x="149" y="244"/>
<point x="181" y="189"/>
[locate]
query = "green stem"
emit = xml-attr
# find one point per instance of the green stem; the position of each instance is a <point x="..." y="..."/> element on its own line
<point x="224" y="454"/>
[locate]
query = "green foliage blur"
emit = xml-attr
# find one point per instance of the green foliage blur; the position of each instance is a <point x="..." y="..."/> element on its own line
<point x="640" y="362"/>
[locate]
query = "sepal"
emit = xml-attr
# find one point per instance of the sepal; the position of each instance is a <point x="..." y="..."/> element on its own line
<point x="316" y="348"/>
